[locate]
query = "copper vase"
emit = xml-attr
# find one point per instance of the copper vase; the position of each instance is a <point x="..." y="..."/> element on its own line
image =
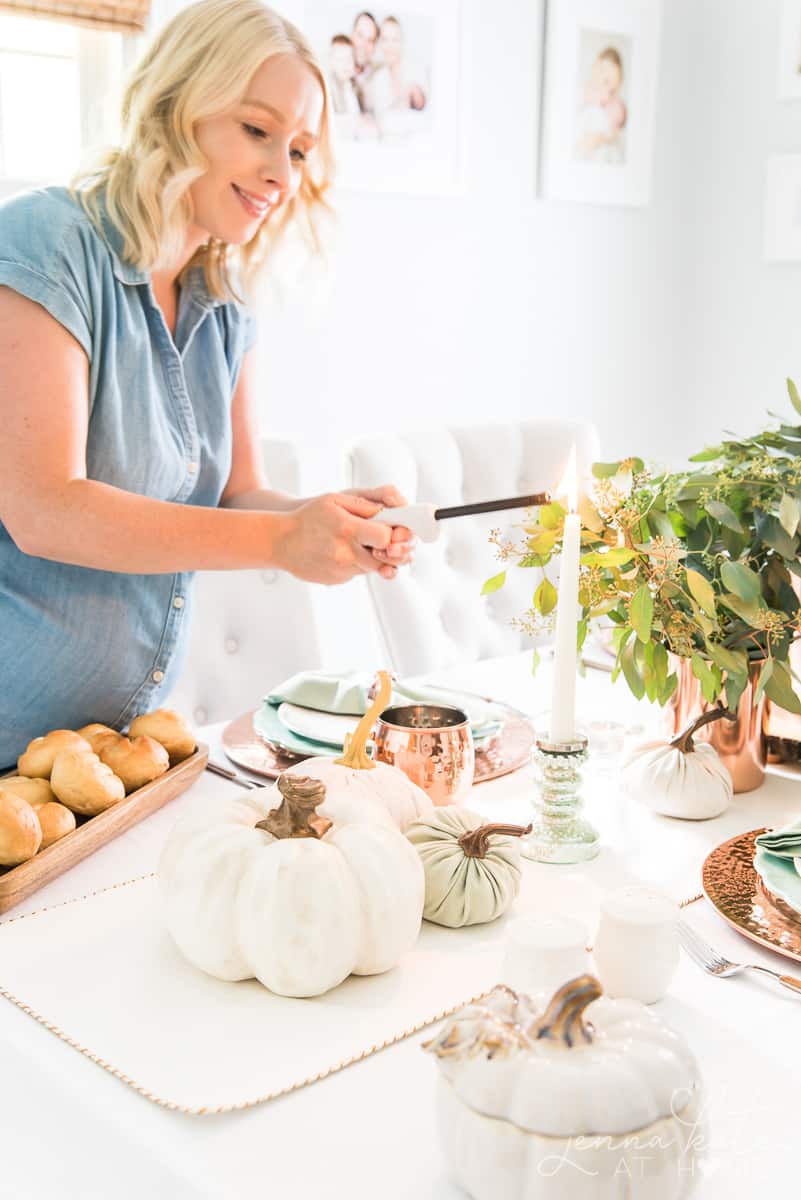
<point x="741" y="744"/>
<point x="432" y="745"/>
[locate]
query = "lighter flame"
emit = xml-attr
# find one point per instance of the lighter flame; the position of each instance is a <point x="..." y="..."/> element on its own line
<point x="568" y="485"/>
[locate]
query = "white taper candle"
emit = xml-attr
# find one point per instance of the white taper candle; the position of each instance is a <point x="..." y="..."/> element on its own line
<point x="565" y="658"/>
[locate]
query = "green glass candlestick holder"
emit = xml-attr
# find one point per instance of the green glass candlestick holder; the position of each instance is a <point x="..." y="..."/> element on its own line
<point x="560" y="833"/>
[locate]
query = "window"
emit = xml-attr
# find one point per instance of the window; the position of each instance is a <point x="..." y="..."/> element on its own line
<point x="60" y="90"/>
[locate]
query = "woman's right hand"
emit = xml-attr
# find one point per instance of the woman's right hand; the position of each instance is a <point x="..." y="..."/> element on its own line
<point x="331" y="538"/>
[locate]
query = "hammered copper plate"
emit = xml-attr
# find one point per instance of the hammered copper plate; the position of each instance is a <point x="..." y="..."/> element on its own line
<point x="507" y="751"/>
<point x="732" y="886"/>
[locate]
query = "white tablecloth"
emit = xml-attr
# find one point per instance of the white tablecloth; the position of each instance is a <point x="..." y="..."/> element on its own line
<point x="68" y="1129"/>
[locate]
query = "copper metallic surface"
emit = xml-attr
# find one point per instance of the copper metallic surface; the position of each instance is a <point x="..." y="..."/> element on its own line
<point x="741" y="744"/>
<point x="432" y="745"/>
<point x="733" y="887"/>
<point x="508" y="750"/>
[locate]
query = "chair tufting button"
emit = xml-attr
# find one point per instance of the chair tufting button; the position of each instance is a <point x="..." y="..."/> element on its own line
<point x="201" y="716"/>
<point x="231" y="645"/>
<point x="269" y="576"/>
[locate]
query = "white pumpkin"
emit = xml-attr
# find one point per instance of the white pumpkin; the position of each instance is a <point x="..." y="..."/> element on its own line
<point x="282" y="895"/>
<point x="356" y="787"/>
<point x="472" y="869"/>
<point x="535" y="1104"/>
<point x="680" y="778"/>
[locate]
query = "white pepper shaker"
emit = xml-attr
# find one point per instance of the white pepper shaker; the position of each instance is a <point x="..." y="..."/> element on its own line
<point x="636" y="948"/>
<point x="544" y="952"/>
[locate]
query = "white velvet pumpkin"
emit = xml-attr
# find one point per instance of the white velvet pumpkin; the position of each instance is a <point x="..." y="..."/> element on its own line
<point x="294" y="906"/>
<point x="680" y="778"/>
<point x="535" y="1104"/>
<point x="356" y="788"/>
<point x="472" y="868"/>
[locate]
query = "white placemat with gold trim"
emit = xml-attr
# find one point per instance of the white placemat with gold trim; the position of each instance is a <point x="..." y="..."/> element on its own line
<point x="103" y="974"/>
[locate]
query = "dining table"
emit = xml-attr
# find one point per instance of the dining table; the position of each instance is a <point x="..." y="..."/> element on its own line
<point x="69" y="1128"/>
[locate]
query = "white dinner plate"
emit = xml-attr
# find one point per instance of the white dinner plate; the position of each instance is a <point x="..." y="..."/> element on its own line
<point x="319" y="726"/>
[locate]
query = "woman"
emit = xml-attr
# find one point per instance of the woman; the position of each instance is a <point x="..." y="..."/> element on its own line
<point x="130" y="456"/>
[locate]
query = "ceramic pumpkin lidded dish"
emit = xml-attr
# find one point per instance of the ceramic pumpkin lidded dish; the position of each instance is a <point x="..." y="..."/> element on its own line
<point x="582" y="1098"/>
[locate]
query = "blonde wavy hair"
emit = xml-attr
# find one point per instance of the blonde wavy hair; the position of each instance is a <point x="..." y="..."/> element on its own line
<point x="198" y="66"/>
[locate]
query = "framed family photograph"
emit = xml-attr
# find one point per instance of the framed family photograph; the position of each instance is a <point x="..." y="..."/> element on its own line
<point x="790" y="51"/>
<point x="394" y="76"/>
<point x="783" y="208"/>
<point x="601" y="73"/>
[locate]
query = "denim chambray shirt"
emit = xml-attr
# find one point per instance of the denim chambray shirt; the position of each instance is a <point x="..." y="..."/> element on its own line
<point x="80" y="645"/>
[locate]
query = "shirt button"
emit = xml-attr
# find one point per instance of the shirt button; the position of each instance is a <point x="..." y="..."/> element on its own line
<point x="231" y="645"/>
<point x="157" y="676"/>
<point x="178" y="602"/>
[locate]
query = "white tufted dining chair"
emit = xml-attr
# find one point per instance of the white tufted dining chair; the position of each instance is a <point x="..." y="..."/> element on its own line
<point x="250" y="629"/>
<point x="433" y="614"/>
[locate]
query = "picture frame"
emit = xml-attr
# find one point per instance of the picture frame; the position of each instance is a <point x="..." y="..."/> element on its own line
<point x="601" y="76"/>
<point x="398" y="110"/>
<point x="783" y="208"/>
<point x="789" y="69"/>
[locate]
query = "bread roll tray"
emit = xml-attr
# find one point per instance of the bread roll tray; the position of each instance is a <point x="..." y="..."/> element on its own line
<point x="17" y="883"/>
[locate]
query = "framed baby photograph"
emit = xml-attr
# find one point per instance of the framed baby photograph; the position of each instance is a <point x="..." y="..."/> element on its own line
<point x="601" y="76"/>
<point x="783" y="208"/>
<point x="790" y="51"/>
<point x="394" y="76"/>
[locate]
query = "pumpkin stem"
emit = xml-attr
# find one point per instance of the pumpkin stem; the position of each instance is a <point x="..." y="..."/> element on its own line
<point x="355" y="749"/>
<point x="563" y="1018"/>
<point x="684" y="741"/>
<point x="295" y="817"/>
<point x="475" y="842"/>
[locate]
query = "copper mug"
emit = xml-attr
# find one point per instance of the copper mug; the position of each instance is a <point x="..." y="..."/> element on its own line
<point x="432" y="745"/>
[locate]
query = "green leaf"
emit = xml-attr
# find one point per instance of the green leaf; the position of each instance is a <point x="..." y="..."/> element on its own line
<point x="618" y="556"/>
<point x="494" y="584"/>
<point x="789" y="514"/>
<point x="545" y="597"/>
<point x="534" y="560"/>
<point x="795" y="399"/>
<point x="605" y="470"/>
<point x="765" y="673"/>
<point x="551" y="515"/>
<point x="721" y="512"/>
<point x="708" y="455"/>
<point x="708" y="677"/>
<point x="779" y="689"/>
<point x="702" y="590"/>
<point x="535" y="661"/>
<point x="733" y="662"/>
<point x="747" y="612"/>
<point x="773" y="535"/>
<point x="741" y="580"/>
<point x="581" y="634"/>
<point x="668" y="689"/>
<point x="542" y="542"/>
<point x="641" y="613"/>
<point x="630" y="672"/>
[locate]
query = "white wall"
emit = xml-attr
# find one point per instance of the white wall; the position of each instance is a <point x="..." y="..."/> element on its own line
<point x="493" y="303"/>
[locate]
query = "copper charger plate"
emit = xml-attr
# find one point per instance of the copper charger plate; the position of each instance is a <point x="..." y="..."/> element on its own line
<point x="733" y="887"/>
<point x="507" y="751"/>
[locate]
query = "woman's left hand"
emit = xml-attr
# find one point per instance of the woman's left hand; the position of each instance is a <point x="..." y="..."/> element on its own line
<point x="402" y="543"/>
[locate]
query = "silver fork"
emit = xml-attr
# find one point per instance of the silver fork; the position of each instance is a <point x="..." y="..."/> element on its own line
<point x="715" y="963"/>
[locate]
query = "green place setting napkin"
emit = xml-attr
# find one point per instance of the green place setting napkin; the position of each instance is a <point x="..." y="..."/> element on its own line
<point x="346" y="693"/>
<point x="784" y="842"/>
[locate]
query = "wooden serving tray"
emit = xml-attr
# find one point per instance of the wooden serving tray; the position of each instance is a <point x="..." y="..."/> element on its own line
<point x="17" y="883"/>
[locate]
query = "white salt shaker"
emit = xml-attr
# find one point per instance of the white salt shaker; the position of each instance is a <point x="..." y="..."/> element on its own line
<point x="636" y="948"/>
<point x="544" y="952"/>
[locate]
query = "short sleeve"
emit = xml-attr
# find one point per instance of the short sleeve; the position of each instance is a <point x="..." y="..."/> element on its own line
<point x="43" y="256"/>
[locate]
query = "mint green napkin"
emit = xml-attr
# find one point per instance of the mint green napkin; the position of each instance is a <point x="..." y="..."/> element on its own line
<point x="784" y="842"/>
<point x="346" y="693"/>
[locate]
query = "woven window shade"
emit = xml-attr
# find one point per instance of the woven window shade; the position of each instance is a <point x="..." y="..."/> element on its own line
<point x="122" y="16"/>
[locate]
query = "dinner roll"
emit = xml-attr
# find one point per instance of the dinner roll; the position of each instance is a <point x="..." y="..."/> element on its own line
<point x="55" y="821"/>
<point x="169" y="728"/>
<point x="135" y="762"/>
<point x="84" y="783"/>
<point x="35" y="791"/>
<point x="20" y="832"/>
<point x="99" y="735"/>
<point x="37" y="759"/>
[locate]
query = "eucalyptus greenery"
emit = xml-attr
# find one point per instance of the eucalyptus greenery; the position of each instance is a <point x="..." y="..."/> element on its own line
<point x="699" y="563"/>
